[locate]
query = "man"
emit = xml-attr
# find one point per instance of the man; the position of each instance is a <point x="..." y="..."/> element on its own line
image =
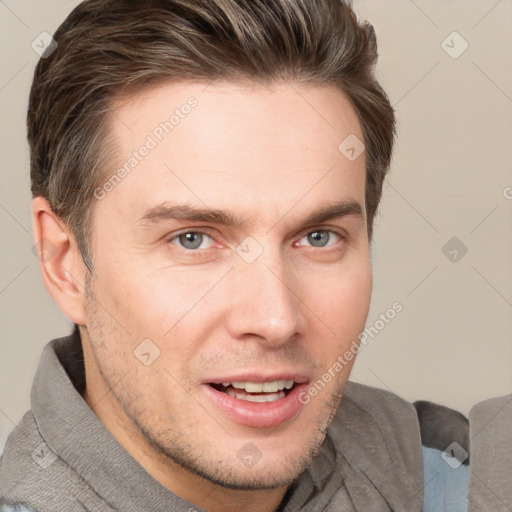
<point x="205" y="177"/>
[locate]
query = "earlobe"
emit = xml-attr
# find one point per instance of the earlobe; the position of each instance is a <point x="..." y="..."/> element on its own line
<point x="61" y="265"/>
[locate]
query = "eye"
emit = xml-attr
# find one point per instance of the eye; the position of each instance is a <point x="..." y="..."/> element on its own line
<point x="192" y="240"/>
<point x="321" y="238"/>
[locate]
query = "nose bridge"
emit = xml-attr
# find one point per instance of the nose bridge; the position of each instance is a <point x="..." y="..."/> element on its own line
<point x="264" y="302"/>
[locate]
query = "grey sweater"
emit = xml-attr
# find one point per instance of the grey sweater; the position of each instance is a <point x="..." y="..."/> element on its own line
<point x="60" y="457"/>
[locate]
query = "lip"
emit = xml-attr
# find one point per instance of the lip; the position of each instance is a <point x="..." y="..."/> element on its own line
<point x="257" y="415"/>
<point x="299" y="378"/>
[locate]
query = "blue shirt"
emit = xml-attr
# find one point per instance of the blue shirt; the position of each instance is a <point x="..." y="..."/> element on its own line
<point x="445" y="485"/>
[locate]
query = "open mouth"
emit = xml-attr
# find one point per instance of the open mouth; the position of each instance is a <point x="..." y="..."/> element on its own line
<point x="259" y="392"/>
<point x="255" y="403"/>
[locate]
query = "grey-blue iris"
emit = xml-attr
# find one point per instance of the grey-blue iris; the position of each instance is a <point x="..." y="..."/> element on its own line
<point x="318" y="238"/>
<point x="191" y="240"/>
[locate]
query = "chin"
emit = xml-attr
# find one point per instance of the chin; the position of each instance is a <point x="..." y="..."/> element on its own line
<point x="261" y="476"/>
<point x="254" y="469"/>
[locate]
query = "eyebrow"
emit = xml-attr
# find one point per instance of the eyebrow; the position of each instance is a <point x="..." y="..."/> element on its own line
<point x="165" y="212"/>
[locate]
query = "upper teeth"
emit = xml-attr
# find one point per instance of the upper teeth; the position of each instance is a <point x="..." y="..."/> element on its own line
<point x="261" y="387"/>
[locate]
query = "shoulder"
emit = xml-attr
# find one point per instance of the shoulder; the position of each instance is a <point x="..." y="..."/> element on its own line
<point x="375" y="400"/>
<point x="381" y="420"/>
<point x="499" y="408"/>
<point x="377" y="440"/>
<point x="18" y="450"/>
<point x="18" y="461"/>
<point x="28" y="467"/>
<point x="379" y="411"/>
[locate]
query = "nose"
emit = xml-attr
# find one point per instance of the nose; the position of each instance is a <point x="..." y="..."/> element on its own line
<point x="264" y="303"/>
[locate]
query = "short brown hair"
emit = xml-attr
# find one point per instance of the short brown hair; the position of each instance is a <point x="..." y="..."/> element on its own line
<point x="108" y="48"/>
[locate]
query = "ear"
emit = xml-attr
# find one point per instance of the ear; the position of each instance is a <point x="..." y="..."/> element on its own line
<point x="60" y="261"/>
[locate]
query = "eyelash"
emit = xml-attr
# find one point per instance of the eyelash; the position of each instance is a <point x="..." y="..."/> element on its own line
<point x="199" y="252"/>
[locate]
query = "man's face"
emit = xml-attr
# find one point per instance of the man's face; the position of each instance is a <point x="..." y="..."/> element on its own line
<point x="272" y="296"/>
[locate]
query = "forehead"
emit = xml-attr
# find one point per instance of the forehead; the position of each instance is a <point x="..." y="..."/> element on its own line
<point x="218" y="143"/>
<point x="221" y="106"/>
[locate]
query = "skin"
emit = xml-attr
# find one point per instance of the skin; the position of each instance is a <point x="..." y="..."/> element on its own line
<point x="271" y="158"/>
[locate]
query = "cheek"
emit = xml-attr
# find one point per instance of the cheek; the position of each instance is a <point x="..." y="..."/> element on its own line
<point x="168" y="305"/>
<point x="341" y="304"/>
<point x="141" y="295"/>
<point x="172" y="294"/>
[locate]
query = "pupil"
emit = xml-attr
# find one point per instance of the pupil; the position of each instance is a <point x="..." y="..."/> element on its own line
<point x="318" y="238"/>
<point x="191" y="240"/>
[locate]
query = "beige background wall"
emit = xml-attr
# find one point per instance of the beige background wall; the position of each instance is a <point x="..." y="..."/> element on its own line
<point x="451" y="177"/>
